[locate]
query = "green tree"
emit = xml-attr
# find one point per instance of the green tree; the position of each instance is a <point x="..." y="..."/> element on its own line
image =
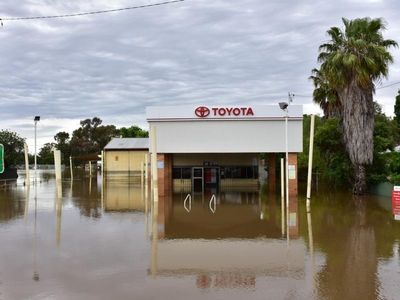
<point x="46" y="154"/>
<point x="397" y="110"/>
<point x="351" y="62"/>
<point x="385" y="137"/>
<point x="325" y="96"/>
<point x="13" y="148"/>
<point x="91" y="137"/>
<point x="62" y="144"/>
<point x="133" y="131"/>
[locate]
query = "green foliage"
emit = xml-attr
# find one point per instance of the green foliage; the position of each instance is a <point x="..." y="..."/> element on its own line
<point x="397" y="110"/>
<point x="385" y="136"/>
<point x="335" y="165"/>
<point x="325" y="96"/>
<point x="352" y="61"/>
<point x="358" y="52"/>
<point x="63" y="144"/>
<point x="88" y="140"/>
<point x="330" y="160"/>
<point x="133" y="131"/>
<point x="91" y="137"/>
<point x="46" y="154"/>
<point x="13" y="147"/>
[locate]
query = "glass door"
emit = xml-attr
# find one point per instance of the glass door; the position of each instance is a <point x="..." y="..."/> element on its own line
<point x="197" y="179"/>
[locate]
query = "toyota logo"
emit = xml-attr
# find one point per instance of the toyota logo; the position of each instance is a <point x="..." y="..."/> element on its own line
<point x="202" y="111"/>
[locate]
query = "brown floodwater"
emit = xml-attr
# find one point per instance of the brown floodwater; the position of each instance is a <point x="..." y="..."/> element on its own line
<point x="83" y="240"/>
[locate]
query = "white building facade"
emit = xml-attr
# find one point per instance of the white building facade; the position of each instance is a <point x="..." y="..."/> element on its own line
<point x="200" y="147"/>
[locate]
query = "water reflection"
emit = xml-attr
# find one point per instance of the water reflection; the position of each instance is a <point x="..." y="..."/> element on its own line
<point x="351" y="252"/>
<point x="229" y="247"/>
<point x="123" y="195"/>
<point x="91" y="238"/>
<point x="237" y="215"/>
<point x="85" y="197"/>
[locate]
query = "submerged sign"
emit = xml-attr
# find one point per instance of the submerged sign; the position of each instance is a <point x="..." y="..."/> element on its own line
<point x="396" y="202"/>
<point x="1" y="158"/>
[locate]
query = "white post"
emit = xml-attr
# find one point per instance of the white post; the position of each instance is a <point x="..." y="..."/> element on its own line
<point x="102" y="162"/>
<point x="310" y="160"/>
<point x="27" y="178"/>
<point x="57" y="164"/>
<point x="70" y="167"/>
<point x="283" y="196"/>
<point x="90" y="168"/>
<point x="154" y="162"/>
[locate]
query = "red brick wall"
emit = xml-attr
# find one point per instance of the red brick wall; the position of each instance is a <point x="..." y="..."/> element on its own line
<point x="165" y="174"/>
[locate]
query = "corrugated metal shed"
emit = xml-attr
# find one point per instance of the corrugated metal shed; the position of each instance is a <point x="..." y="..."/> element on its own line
<point x="128" y="144"/>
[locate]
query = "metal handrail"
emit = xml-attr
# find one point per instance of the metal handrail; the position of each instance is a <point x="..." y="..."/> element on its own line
<point x="188" y="197"/>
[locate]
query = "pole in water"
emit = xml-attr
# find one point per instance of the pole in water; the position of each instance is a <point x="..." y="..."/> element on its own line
<point x="70" y="167"/>
<point x="310" y="160"/>
<point x="57" y="164"/>
<point x="90" y="168"/>
<point x="154" y="163"/>
<point x="27" y="178"/>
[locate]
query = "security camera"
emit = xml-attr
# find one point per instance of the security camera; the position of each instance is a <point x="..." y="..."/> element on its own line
<point x="283" y="105"/>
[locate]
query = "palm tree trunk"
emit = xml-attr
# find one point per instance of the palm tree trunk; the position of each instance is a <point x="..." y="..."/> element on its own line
<point x="360" y="180"/>
<point x="358" y="129"/>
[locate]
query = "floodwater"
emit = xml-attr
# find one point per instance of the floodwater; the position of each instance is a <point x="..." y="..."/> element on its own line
<point x="85" y="241"/>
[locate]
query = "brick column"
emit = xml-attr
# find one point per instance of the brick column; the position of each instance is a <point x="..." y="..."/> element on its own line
<point x="293" y="181"/>
<point x="164" y="168"/>
<point x="271" y="172"/>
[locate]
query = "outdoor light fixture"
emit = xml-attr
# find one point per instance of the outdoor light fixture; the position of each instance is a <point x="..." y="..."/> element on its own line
<point x="283" y="105"/>
<point x="37" y="118"/>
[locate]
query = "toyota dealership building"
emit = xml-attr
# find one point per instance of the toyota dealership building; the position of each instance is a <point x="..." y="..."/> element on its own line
<point x="201" y="147"/>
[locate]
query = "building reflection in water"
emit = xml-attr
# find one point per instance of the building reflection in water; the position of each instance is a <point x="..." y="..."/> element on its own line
<point x="123" y="195"/>
<point x="228" y="248"/>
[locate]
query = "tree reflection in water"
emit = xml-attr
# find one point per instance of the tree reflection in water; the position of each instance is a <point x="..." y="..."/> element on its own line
<point x="351" y="270"/>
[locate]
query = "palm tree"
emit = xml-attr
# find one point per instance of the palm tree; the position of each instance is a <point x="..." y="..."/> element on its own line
<point x="325" y="96"/>
<point x="352" y="62"/>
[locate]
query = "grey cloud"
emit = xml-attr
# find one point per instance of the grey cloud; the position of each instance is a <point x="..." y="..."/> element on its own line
<point x="198" y="51"/>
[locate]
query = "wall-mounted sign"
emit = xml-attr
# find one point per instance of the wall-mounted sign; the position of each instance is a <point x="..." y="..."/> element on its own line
<point x="292" y="171"/>
<point x="396" y="202"/>
<point x="222" y="112"/>
<point x="204" y="111"/>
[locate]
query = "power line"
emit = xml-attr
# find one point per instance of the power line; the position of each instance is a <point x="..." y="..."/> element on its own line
<point x="385" y="86"/>
<point x="378" y="88"/>
<point x="89" y="13"/>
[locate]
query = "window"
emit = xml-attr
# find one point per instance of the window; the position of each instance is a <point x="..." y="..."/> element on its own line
<point x="181" y="173"/>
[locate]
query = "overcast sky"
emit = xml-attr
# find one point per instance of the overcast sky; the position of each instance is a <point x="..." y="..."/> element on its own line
<point x="194" y="52"/>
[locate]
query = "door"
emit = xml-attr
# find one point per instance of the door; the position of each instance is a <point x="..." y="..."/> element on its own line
<point x="211" y="176"/>
<point x="197" y="179"/>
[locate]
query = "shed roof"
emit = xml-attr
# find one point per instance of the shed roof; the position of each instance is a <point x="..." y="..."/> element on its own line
<point x="127" y="144"/>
